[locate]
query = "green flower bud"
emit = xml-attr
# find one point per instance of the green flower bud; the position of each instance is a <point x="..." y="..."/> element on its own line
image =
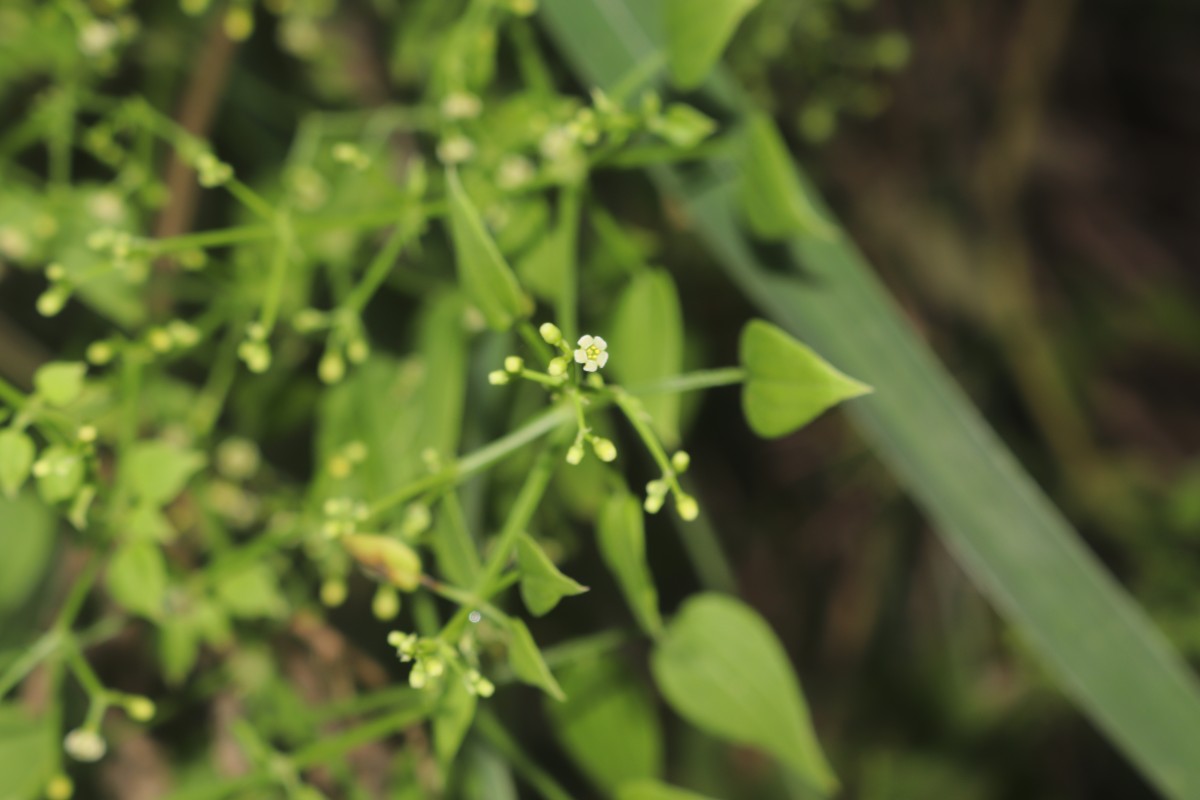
<point x="605" y="450"/>
<point x="680" y="461"/>
<point x="140" y="708"/>
<point x="514" y="364"/>
<point x="388" y="559"/>
<point x="550" y="333"/>
<point x="497" y="377"/>
<point x="687" y="507"/>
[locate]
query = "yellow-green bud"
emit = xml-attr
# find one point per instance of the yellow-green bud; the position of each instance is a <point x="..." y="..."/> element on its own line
<point x="687" y="507"/>
<point x="60" y="787"/>
<point x="605" y="449"/>
<point x="140" y="708"/>
<point x="100" y="353"/>
<point x="680" y="461"/>
<point x="653" y="503"/>
<point x="550" y="333"/>
<point x="389" y="559"/>
<point x="333" y="592"/>
<point x="558" y="367"/>
<point x="574" y="454"/>
<point x="332" y="368"/>
<point x="514" y="364"/>
<point x="386" y="604"/>
<point x="497" y="377"/>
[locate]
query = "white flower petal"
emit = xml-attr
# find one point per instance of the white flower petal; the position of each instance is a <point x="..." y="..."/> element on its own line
<point x="602" y="359"/>
<point x="585" y="341"/>
<point x="600" y="343"/>
<point x="590" y="366"/>
<point x="580" y="356"/>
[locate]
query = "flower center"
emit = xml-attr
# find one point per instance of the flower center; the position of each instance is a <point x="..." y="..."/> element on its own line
<point x="592" y="352"/>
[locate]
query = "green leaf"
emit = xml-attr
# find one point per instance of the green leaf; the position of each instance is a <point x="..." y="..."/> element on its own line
<point x="655" y="790"/>
<point x="608" y="723"/>
<point x="647" y="344"/>
<point x="697" y="33"/>
<point x="252" y="593"/>
<point x="137" y="578"/>
<point x="682" y="125"/>
<point x="178" y="649"/>
<point x="721" y="667"/>
<point x="526" y="660"/>
<point x="29" y="534"/>
<point x="158" y="470"/>
<point x="16" y="457"/>
<point x="26" y="753"/>
<point x="621" y="536"/>
<point x="60" y="382"/>
<point x="787" y="384"/>
<point x="542" y="585"/>
<point x="544" y="267"/>
<point x="452" y="719"/>
<point x="456" y="552"/>
<point x="59" y="472"/>
<point x="482" y="270"/>
<point x="776" y="204"/>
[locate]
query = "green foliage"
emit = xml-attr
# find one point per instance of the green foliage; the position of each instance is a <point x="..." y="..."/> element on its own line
<point x="648" y="334"/>
<point x="787" y="384"/>
<point x="722" y="668"/>
<point x="542" y="585"/>
<point x="16" y="458"/>
<point x="29" y="529"/>
<point x="485" y="275"/>
<point x="620" y="533"/>
<point x="608" y="724"/>
<point x="137" y="578"/>
<point x="775" y="203"/>
<point x="526" y="660"/>
<point x="697" y="33"/>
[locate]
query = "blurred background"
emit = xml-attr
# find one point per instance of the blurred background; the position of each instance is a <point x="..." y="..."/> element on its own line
<point x="1023" y="175"/>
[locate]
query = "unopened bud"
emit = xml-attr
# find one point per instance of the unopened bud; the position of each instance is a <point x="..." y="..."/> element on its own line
<point x="497" y="377"/>
<point x="514" y="364"/>
<point x="687" y="507"/>
<point x="85" y="745"/>
<point x="605" y="449"/>
<point x="574" y="454"/>
<point x="333" y="592"/>
<point x="558" y="367"/>
<point x="386" y="604"/>
<point x="550" y="333"/>
<point x="680" y="461"/>
<point x="140" y="708"/>
<point x="389" y="559"/>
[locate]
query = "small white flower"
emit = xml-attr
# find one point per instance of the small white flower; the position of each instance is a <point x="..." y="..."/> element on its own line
<point x="592" y="353"/>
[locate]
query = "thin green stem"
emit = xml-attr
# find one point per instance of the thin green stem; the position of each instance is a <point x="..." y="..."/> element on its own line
<point x="381" y="265"/>
<point x="278" y="278"/>
<point x="566" y="308"/>
<point x="690" y="382"/>
<point x="484" y="457"/>
<point x="636" y="414"/>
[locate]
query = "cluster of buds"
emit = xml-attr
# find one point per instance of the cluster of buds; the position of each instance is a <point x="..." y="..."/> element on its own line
<point x="657" y="490"/>
<point x="129" y="256"/>
<point x="342" y="516"/>
<point x="175" y="335"/>
<point x="432" y="660"/>
<point x="254" y="350"/>
<point x="51" y="301"/>
<point x="211" y="172"/>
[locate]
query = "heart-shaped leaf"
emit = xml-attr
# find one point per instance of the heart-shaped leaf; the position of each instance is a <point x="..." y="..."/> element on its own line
<point x="787" y="384"/>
